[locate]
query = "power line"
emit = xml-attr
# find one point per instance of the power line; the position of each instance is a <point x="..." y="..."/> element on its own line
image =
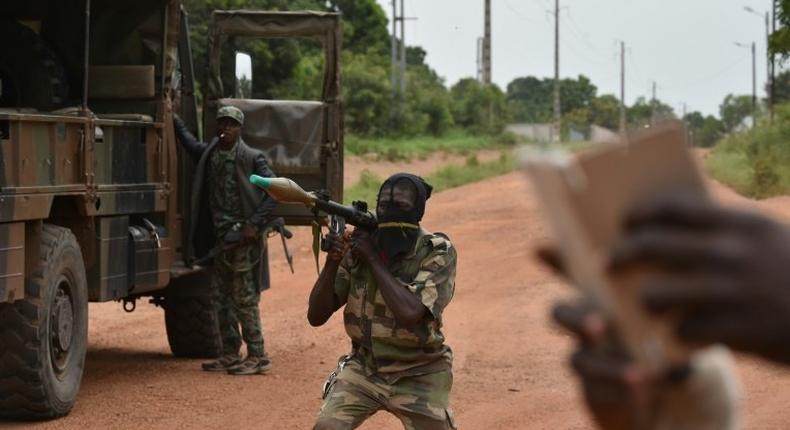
<point x="520" y="14"/>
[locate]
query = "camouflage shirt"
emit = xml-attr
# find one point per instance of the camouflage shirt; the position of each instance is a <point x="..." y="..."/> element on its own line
<point x="378" y="341"/>
<point x="224" y="198"/>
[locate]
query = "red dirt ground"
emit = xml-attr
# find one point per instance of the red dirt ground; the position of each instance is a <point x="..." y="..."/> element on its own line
<point x="510" y="362"/>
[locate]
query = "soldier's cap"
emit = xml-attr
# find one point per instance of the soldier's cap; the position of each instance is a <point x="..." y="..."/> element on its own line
<point x="231" y="112"/>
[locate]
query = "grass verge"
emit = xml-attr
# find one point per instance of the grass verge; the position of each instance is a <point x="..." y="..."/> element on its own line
<point x="405" y="149"/>
<point x="754" y="163"/>
<point x="447" y="177"/>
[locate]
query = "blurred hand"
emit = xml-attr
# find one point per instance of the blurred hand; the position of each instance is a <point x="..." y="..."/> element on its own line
<point x="619" y="395"/>
<point x="724" y="272"/>
<point x="338" y="246"/>
<point x="362" y="246"/>
<point x="249" y="233"/>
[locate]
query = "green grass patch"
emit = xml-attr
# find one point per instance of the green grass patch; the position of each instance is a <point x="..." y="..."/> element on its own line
<point x="409" y="148"/>
<point x="732" y="169"/>
<point x="754" y="163"/>
<point x="473" y="170"/>
<point x="446" y="177"/>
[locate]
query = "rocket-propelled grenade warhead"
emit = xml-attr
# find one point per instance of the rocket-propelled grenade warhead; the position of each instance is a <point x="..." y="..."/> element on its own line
<point x="284" y="190"/>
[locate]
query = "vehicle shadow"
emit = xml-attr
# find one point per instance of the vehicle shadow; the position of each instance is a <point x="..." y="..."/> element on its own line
<point x="106" y="368"/>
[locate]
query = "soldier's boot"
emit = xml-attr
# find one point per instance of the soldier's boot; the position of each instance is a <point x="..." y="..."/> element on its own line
<point x="222" y="364"/>
<point x="251" y="366"/>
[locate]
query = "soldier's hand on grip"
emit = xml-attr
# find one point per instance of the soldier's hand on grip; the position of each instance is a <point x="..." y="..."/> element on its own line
<point x="338" y="246"/>
<point x="362" y="245"/>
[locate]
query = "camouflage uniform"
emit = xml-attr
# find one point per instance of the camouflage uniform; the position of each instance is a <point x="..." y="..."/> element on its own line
<point x="236" y="295"/>
<point x="407" y="372"/>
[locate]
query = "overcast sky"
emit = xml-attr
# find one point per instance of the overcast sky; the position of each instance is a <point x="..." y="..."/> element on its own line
<point x="686" y="46"/>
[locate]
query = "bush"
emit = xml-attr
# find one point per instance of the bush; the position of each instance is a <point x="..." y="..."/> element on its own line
<point x="755" y="162"/>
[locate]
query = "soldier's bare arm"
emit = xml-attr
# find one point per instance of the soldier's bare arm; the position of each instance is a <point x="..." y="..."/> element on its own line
<point x="407" y="308"/>
<point x="323" y="298"/>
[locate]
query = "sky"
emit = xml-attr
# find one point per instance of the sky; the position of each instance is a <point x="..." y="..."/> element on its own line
<point x="686" y="46"/>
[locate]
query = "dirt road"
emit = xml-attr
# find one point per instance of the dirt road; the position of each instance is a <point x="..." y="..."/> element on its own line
<point x="509" y="361"/>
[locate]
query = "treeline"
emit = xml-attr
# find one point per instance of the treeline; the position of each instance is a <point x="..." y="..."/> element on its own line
<point x="292" y="69"/>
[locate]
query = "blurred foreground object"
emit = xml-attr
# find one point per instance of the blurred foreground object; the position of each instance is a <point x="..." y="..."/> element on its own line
<point x="586" y="196"/>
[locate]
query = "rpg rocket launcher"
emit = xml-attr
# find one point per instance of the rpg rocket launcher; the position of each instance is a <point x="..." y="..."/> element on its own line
<point x="285" y="190"/>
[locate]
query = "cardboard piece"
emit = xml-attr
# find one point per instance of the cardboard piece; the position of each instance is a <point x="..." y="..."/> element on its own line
<point x="585" y="198"/>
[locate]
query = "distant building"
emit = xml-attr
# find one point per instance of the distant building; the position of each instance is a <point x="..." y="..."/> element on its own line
<point x="533" y="132"/>
<point x="600" y="134"/>
<point x="542" y="133"/>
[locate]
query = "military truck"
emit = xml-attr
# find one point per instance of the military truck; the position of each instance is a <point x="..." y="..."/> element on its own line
<point x="95" y="189"/>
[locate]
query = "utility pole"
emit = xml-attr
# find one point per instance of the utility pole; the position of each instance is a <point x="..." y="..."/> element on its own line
<point x="487" y="44"/>
<point x="557" y="127"/>
<point x="623" y="130"/>
<point x="773" y="63"/>
<point x="402" y="50"/>
<point x="753" y="48"/>
<point x="768" y="58"/>
<point x="479" y="59"/>
<point x="394" y="61"/>
<point x="769" y="67"/>
<point x="653" y="106"/>
<point x="754" y="84"/>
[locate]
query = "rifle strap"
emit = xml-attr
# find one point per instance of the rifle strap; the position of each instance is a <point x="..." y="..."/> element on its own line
<point x="398" y="224"/>
<point x="316" y="243"/>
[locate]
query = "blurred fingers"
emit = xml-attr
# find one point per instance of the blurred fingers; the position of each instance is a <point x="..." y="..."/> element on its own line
<point x="582" y="320"/>
<point x="675" y="249"/>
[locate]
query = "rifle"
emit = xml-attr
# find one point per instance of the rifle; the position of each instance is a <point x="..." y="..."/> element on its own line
<point x="285" y="190"/>
<point x="233" y="240"/>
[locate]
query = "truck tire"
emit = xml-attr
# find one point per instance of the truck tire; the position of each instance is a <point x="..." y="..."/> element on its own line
<point x="44" y="337"/>
<point x="32" y="75"/>
<point x="190" y="318"/>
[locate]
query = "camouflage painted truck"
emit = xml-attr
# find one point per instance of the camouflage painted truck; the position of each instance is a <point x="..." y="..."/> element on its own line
<point x="95" y="189"/>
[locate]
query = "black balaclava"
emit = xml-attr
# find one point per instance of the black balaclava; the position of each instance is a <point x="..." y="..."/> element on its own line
<point x="398" y="228"/>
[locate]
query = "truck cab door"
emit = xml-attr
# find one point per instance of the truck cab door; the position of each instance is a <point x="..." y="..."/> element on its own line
<point x="303" y="139"/>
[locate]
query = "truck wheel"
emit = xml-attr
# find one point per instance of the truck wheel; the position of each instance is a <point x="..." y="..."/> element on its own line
<point x="31" y="74"/>
<point x="190" y="318"/>
<point x="43" y="338"/>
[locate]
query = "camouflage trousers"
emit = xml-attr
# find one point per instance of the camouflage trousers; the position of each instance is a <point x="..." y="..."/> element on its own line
<point x="236" y="300"/>
<point x="420" y="402"/>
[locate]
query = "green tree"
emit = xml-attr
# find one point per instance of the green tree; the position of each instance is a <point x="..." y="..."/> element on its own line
<point x="477" y="107"/>
<point x="529" y="99"/>
<point x="734" y="110"/>
<point x="364" y="26"/>
<point x="415" y="56"/>
<point x="781" y="87"/>
<point x="605" y="112"/>
<point x="576" y="93"/>
<point x="366" y="94"/>
<point x="706" y="131"/>
<point x="427" y="103"/>
<point x="694" y="120"/>
<point x="780" y="39"/>
<point x="710" y="133"/>
<point x="644" y="112"/>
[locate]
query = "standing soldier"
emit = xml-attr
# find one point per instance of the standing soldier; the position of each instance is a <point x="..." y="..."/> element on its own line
<point x="230" y="213"/>
<point x="394" y="285"/>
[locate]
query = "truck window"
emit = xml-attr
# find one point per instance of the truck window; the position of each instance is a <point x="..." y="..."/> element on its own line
<point x="279" y="69"/>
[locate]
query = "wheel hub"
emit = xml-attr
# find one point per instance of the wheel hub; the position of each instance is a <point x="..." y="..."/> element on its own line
<point x="61" y="326"/>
